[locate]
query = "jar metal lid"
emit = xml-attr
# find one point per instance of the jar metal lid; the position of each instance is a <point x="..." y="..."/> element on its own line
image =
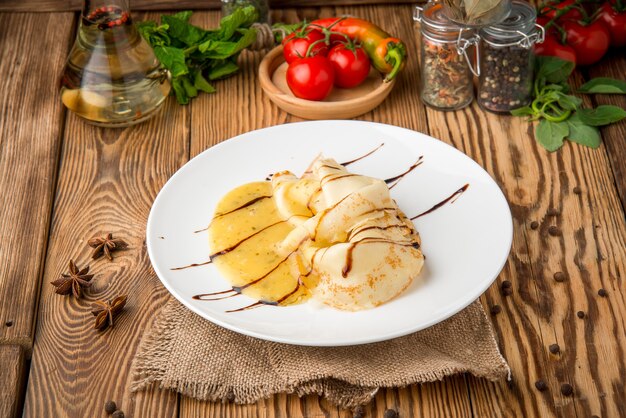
<point x="433" y="19"/>
<point x="520" y="22"/>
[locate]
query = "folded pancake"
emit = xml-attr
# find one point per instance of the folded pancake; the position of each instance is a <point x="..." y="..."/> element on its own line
<point x="331" y="234"/>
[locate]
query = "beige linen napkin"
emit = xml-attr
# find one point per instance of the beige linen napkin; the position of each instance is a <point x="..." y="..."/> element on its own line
<point x="191" y="355"/>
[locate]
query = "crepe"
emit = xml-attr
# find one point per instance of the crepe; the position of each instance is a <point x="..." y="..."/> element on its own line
<point x="331" y="234"/>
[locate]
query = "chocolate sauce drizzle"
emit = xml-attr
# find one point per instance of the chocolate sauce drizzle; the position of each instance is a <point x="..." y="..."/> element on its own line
<point x="245" y="205"/>
<point x="452" y="198"/>
<point x="363" y="156"/>
<point x="395" y="180"/>
<point x="192" y="265"/>
<point x="348" y="265"/>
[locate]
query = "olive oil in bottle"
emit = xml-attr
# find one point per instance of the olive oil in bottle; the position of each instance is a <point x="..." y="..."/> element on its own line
<point x="112" y="77"/>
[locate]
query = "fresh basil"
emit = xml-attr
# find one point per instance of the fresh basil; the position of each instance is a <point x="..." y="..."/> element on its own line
<point x="553" y="69"/>
<point x="583" y="134"/>
<point x="601" y="115"/>
<point x="551" y="134"/>
<point x="604" y="85"/>
<point x="194" y="55"/>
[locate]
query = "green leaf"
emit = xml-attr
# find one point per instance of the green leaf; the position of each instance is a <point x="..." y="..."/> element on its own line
<point x="601" y="115"/>
<point x="179" y="91"/>
<point x="242" y="17"/>
<point x="185" y="15"/>
<point x="182" y="31"/>
<point x="173" y="59"/>
<point x="553" y="69"/>
<point x="202" y="84"/>
<point x="190" y="89"/>
<point x="222" y="50"/>
<point x="569" y="102"/>
<point x="583" y="134"/>
<point x="604" y="85"/>
<point x="523" y="111"/>
<point x="224" y="69"/>
<point x="550" y="135"/>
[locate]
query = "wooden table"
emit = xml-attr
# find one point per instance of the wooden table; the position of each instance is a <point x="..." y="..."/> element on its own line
<point x="63" y="181"/>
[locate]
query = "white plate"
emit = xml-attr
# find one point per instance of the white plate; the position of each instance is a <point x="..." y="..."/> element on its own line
<point x="466" y="243"/>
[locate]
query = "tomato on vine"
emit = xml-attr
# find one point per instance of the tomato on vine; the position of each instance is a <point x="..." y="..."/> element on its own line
<point x="589" y="41"/>
<point x="297" y="44"/>
<point x="551" y="46"/>
<point x="311" y="78"/>
<point x="613" y="15"/>
<point x="351" y="64"/>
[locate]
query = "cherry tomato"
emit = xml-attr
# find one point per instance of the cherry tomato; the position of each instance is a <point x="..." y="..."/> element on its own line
<point x="615" y="22"/>
<point x="543" y="21"/>
<point x="553" y="48"/>
<point x="589" y="42"/>
<point x="297" y="44"/>
<point x="311" y="78"/>
<point x="554" y="7"/>
<point x="351" y="65"/>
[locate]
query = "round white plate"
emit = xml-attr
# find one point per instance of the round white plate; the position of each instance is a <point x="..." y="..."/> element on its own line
<point x="466" y="243"/>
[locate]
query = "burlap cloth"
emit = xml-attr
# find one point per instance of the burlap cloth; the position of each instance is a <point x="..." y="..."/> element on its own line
<point x="188" y="354"/>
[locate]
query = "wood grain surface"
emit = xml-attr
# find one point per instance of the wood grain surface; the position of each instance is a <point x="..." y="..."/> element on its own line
<point x="31" y="125"/>
<point x="567" y="216"/>
<point x="12" y="379"/>
<point x="76" y="5"/>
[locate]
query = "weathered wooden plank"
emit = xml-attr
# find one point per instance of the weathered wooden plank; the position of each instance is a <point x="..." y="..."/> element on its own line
<point x="582" y="235"/>
<point x="31" y="121"/>
<point x="249" y="109"/>
<point x="12" y="380"/>
<point x="107" y="182"/>
<point x="76" y="5"/>
<point x="614" y="136"/>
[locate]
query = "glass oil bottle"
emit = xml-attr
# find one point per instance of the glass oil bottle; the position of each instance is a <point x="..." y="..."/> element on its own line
<point x="112" y="78"/>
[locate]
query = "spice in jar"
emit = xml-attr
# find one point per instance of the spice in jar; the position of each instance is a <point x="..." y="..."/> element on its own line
<point x="506" y="60"/>
<point x="446" y="77"/>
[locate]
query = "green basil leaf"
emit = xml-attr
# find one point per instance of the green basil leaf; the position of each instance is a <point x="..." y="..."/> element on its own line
<point x="569" y="102"/>
<point x="185" y="15"/>
<point x="182" y="31"/>
<point x="550" y="135"/>
<point x="202" y="84"/>
<point x="179" y="91"/>
<point x="601" y="115"/>
<point x="604" y="85"/>
<point x="221" y="50"/>
<point x="523" y="111"/>
<point x="241" y="18"/>
<point x="583" y="134"/>
<point x="553" y="69"/>
<point x="173" y="59"/>
<point x="223" y="69"/>
<point x="190" y="89"/>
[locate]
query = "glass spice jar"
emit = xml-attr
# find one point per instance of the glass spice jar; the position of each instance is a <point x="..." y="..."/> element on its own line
<point x="506" y="56"/>
<point x="446" y="77"/>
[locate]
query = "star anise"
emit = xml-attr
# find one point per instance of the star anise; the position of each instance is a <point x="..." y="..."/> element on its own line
<point x="105" y="312"/>
<point x="106" y="245"/>
<point x="73" y="282"/>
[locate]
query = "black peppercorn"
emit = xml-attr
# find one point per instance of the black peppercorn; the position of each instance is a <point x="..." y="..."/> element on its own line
<point x="495" y="309"/>
<point x="580" y="314"/>
<point x="567" y="389"/>
<point x="602" y="293"/>
<point x="541" y="385"/>
<point x="118" y="414"/>
<point x="559" y="276"/>
<point x="390" y="413"/>
<point x="554" y="348"/>
<point x="110" y="407"/>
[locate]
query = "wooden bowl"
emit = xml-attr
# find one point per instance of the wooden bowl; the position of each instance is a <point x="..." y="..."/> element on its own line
<point x="340" y="104"/>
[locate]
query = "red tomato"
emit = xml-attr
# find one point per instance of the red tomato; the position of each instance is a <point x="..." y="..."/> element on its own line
<point x="615" y="22"/>
<point x="351" y="65"/>
<point x="589" y="42"/>
<point x="554" y="7"/>
<point x="553" y="48"/>
<point x="297" y="44"/>
<point x="543" y="21"/>
<point x="311" y="78"/>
